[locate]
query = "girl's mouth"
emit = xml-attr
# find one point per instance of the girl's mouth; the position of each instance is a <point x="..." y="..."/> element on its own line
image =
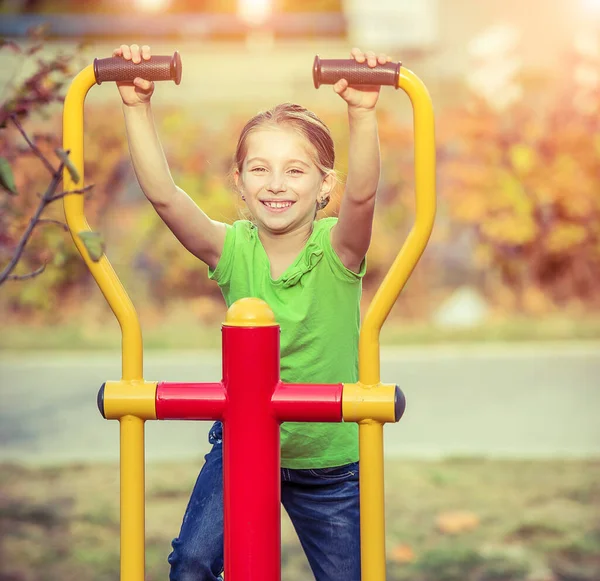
<point x="279" y="206"/>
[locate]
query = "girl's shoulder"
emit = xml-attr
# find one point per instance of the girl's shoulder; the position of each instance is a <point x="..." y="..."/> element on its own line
<point x="324" y="224"/>
<point x="322" y="229"/>
<point x="241" y="230"/>
<point x="321" y="240"/>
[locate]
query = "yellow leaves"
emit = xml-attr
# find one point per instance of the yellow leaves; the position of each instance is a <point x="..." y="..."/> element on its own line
<point x="507" y="229"/>
<point x="522" y="158"/>
<point x="174" y="122"/>
<point x="498" y="201"/>
<point x="564" y="236"/>
<point x="511" y="194"/>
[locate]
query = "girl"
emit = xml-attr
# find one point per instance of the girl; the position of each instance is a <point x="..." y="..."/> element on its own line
<point x="309" y="271"/>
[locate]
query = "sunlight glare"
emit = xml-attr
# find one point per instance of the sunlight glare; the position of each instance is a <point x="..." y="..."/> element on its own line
<point x="152" y="5"/>
<point x="591" y="5"/>
<point x="254" y="12"/>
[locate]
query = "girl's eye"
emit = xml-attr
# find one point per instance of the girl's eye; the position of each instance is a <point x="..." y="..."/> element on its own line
<point x="296" y="172"/>
<point x="258" y="169"/>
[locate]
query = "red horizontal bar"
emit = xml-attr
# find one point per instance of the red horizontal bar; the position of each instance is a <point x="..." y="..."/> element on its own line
<point x="190" y="401"/>
<point x="299" y="402"/>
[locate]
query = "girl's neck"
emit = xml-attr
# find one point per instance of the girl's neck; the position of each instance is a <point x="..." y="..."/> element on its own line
<point x="286" y="243"/>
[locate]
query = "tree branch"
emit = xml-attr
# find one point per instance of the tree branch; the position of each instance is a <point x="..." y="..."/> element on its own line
<point x="67" y="192"/>
<point x="57" y="222"/>
<point x="33" y="146"/>
<point x="30" y="275"/>
<point x="48" y="195"/>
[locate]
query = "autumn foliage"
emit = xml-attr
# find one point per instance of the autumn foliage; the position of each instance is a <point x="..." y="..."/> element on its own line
<point x="518" y="217"/>
<point x="526" y="185"/>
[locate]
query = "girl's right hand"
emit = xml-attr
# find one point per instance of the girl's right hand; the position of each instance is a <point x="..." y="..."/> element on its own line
<point x="139" y="91"/>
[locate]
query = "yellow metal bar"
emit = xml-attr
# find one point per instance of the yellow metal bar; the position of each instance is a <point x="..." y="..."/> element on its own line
<point x="372" y="505"/>
<point x="411" y="251"/>
<point x="132" y="499"/>
<point x="371" y="432"/>
<point x="102" y="270"/>
<point x="133" y="398"/>
<point x="131" y="428"/>
<point x="377" y="402"/>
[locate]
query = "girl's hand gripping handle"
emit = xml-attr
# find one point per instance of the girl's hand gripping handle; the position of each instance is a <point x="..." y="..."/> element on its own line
<point x="158" y="68"/>
<point x="330" y="71"/>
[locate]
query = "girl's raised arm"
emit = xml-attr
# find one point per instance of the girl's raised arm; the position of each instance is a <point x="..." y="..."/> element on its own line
<point x="202" y="236"/>
<point x="352" y="234"/>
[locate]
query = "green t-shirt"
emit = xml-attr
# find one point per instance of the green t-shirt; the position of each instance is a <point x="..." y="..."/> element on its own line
<point x="316" y="302"/>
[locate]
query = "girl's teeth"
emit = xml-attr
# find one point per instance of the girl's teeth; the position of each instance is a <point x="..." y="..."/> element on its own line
<point x="278" y="204"/>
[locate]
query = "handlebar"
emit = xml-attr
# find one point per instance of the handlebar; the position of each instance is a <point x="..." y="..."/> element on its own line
<point x="158" y="68"/>
<point x="330" y="71"/>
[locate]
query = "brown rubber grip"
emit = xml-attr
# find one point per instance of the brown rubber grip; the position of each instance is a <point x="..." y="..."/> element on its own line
<point x="158" y="68"/>
<point x="330" y="71"/>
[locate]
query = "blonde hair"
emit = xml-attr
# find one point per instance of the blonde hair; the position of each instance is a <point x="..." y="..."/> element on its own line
<point x="303" y="121"/>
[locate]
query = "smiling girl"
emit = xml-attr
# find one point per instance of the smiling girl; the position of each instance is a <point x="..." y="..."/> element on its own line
<point x="310" y="273"/>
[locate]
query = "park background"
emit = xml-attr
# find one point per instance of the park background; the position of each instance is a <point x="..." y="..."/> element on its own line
<point x="493" y="473"/>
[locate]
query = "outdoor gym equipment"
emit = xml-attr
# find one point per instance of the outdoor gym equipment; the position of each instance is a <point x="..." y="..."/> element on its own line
<point x="251" y="400"/>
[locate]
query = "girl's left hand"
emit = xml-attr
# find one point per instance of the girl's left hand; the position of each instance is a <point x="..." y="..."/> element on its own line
<point x="361" y="97"/>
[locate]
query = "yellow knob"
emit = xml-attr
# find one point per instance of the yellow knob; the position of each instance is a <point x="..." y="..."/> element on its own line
<point x="250" y="312"/>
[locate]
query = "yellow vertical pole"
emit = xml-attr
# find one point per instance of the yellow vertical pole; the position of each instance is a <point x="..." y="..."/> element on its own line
<point x="372" y="513"/>
<point x="132" y="499"/>
<point x="131" y="428"/>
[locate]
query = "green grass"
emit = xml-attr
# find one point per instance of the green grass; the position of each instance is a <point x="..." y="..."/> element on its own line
<point x="173" y="335"/>
<point x="534" y="519"/>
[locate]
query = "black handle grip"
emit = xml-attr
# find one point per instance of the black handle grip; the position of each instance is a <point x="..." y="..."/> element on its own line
<point x="330" y="71"/>
<point x="158" y="68"/>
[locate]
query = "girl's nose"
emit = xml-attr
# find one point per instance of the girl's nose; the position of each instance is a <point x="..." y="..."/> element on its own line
<point x="277" y="183"/>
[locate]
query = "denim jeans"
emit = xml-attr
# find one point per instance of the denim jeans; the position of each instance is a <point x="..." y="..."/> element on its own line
<point x="323" y="505"/>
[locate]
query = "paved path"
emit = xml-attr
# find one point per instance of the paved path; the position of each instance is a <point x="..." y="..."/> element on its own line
<point x="518" y="401"/>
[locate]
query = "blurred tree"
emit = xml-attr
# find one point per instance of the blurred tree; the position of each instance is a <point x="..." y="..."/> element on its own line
<point x="524" y="180"/>
<point x="519" y="213"/>
<point x="32" y="230"/>
<point x="21" y="5"/>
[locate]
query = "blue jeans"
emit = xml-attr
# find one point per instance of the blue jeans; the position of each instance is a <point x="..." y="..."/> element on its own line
<point x="323" y="505"/>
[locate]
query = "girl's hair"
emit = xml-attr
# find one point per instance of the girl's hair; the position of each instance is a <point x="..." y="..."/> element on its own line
<point x="306" y="123"/>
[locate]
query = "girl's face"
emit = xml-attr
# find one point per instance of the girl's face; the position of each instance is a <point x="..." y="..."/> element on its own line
<point x="279" y="179"/>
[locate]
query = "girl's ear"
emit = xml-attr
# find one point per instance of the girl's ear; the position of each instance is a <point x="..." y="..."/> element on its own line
<point x="328" y="184"/>
<point x="236" y="178"/>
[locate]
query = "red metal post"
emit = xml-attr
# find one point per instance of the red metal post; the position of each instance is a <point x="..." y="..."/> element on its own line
<point x="252" y="402"/>
<point x="251" y="465"/>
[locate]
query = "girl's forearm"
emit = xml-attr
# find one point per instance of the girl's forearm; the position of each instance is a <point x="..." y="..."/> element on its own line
<point x="363" y="156"/>
<point x="147" y="156"/>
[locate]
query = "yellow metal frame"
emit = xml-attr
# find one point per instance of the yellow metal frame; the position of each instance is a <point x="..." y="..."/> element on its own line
<point x="372" y="513"/>
<point x="368" y="402"/>
<point x="131" y="427"/>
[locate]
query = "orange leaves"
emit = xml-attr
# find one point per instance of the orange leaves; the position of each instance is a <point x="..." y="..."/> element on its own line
<point x="402" y="554"/>
<point x="564" y="237"/>
<point x="456" y="522"/>
<point x="527" y="184"/>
